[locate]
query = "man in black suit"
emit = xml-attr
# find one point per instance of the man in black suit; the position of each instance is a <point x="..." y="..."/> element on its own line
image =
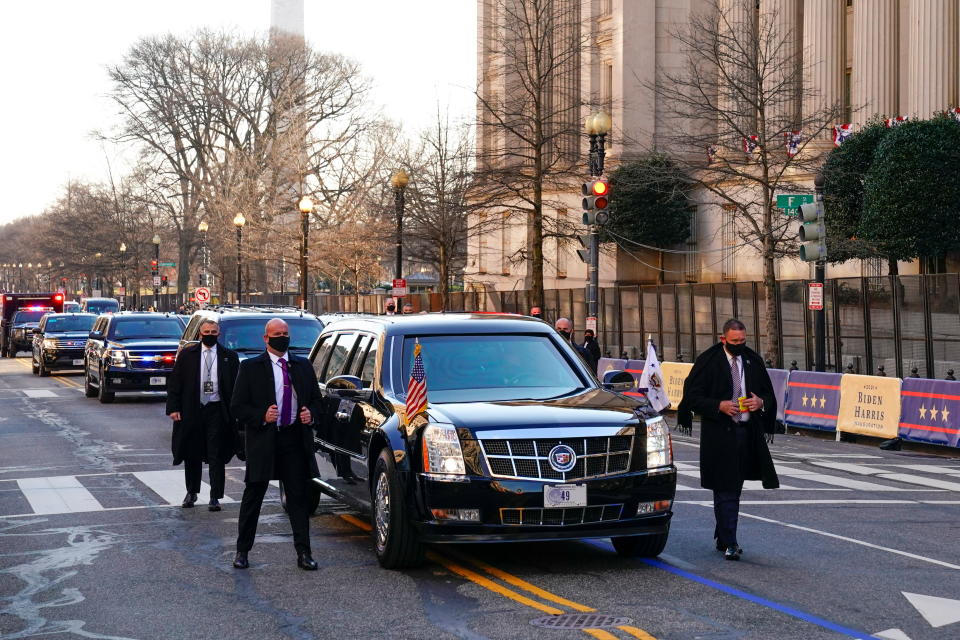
<point x="276" y="400"/>
<point x="731" y="390"/>
<point x="198" y="400"/>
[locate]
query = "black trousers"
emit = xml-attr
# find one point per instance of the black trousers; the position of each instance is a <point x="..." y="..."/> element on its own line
<point x="290" y="466"/>
<point x="726" y="502"/>
<point x="212" y="426"/>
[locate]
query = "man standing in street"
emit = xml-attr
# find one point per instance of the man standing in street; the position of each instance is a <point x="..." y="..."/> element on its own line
<point x="536" y="313"/>
<point x="565" y="328"/>
<point x="276" y="400"/>
<point x="198" y="401"/>
<point x="592" y="348"/>
<point x="731" y="390"/>
<point x="407" y="309"/>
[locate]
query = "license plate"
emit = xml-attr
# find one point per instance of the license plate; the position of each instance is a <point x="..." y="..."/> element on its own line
<point x="158" y="380"/>
<point x="78" y="363"/>
<point x="564" y="495"/>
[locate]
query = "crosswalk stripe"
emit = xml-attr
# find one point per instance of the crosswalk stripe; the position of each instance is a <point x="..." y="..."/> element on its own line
<point x="836" y="481"/>
<point x="928" y="468"/>
<point x="933" y="483"/>
<point x="169" y="486"/>
<point x="57" y="494"/>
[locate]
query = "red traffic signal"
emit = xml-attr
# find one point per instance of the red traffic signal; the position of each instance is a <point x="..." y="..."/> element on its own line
<point x="597" y="193"/>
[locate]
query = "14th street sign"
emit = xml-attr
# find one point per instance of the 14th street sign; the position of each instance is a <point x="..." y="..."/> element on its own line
<point x="790" y="202"/>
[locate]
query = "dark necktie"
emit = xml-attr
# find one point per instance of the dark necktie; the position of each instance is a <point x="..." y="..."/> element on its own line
<point x="286" y="411"/>
<point x="737" y="389"/>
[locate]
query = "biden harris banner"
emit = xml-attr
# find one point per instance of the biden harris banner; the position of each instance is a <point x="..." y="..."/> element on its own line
<point x="869" y="405"/>
<point x="674" y="375"/>
<point x="930" y="411"/>
<point x="813" y="400"/>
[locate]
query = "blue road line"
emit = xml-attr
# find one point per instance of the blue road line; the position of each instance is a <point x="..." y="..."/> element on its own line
<point x="776" y="606"/>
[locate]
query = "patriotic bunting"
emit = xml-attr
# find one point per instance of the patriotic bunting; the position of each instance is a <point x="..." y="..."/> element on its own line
<point x="711" y="152"/>
<point x="955" y="112"/>
<point x="750" y="144"/>
<point x="841" y="132"/>
<point x="793" y="140"/>
<point x="895" y="122"/>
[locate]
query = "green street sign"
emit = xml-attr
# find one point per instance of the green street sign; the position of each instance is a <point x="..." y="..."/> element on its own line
<point x="790" y="202"/>
<point x="173" y="264"/>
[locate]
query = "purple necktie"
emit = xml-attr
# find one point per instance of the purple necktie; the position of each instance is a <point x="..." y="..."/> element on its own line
<point x="286" y="411"/>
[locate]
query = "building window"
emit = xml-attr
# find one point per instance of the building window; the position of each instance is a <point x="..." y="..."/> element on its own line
<point x="606" y="86"/>
<point x="728" y="239"/>
<point x="847" y="100"/>
<point x="505" y="251"/>
<point x="561" y="254"/>
<point x="691" y="259"/>
<point x="482" y="245"/>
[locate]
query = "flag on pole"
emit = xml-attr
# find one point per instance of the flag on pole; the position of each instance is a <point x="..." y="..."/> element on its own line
<point x="841" y="132"/>
<point x="417" y="389"/>
<point x="652" y="380"/>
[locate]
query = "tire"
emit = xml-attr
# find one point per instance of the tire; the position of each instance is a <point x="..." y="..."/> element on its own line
<point x="88" y="389"/>
<point x="394" y="538"/>
<point x="33" y="366"/>
<point x="42" y="370"/>
<point x="104" y="396"/>
<point x="641" y="546"/>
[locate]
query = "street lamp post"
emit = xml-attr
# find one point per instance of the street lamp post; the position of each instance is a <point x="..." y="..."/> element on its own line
<point x="156" y="271"/>
<point x="399" y="180"/>
<point x="123" y="271"/>
<point x="97" y="274"/>
<point x="819" y="317"/>
<point x="597" y="127"/>
<point x="306" y="208"/>
<point x="238" y="222"/>
<point x="202" y="228"/>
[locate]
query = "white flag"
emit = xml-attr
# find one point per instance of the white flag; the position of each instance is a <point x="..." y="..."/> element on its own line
<point x="652" y="380"/>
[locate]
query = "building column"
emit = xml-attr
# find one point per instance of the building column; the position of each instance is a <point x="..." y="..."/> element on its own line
<point x="780" y="24"/>
<point x="875" y="59"/>
<point x="823" y="27"/>
<point x="932" y="57"/>
<point x="739" y="19"/>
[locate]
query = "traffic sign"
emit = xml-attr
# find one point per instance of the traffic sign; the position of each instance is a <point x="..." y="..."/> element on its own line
<point x="168" y="264"/>
<point x="815" y="296"/>
<point x="156" y="281"/>
<point x="790" y="202"/>
<point x="202" y="294"/>
<point x="592" y="324"/>
<point x="399" y="288"/>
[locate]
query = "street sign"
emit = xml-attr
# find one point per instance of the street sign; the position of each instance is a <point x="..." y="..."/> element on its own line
<point x="202" y="294"/>
<point x="168" y="264"/>
<point x="592" y="325"/>
<point x="790" y="202"/>
<point x="815" y="296"/>
<point x="399" y="288"/>
<point x="122" y="291"/>
<point x="156" y="281"/>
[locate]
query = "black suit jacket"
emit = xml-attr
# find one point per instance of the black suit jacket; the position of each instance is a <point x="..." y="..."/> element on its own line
<point x="722" y="464"/>
<point x="253" y="395"/>
<point x="183" y="395"/>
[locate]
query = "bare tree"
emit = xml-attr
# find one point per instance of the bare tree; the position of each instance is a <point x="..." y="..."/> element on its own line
<point x="732" y="111"/>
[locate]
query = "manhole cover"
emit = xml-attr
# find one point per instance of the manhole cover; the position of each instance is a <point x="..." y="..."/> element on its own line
<point x="579" y="621"/>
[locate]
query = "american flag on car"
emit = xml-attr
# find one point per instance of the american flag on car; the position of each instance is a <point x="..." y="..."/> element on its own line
<point x="417" y="389"/>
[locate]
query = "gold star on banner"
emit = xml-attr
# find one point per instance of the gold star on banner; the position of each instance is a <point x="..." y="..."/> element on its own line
<point x="805" y="399"/>
<point x="823" y="401"/>
<point x="923" y="412"/>
<point x="933" y="413"/>
<point x="945" y="413"/>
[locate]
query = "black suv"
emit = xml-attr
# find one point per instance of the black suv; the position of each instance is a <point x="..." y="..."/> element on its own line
<point x="241" y="328"/>
<point x="22" y="324"/>
<point x="130" y="351"/>
<point x="520" y="441"/>
<point x="59" y="341"/>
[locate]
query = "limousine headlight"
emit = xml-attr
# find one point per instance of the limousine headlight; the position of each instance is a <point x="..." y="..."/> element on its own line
<point x="659" y="447"/>
<point x="441" y="450"/>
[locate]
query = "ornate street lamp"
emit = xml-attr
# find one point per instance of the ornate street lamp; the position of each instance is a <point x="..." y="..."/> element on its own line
<point x="156" y="271"/>
<point x="306" y="208"/>
<point x="399" y="180"/>
<point x="123" y="271"/>
<point x="238" y="222"/>
<point x="202" y="228"/>
<point x="597" y="126"/>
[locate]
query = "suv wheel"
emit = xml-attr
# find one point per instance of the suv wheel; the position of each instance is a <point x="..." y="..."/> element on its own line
<point x="641" y="546"/>
<point x="33" y="365"/>
<point x="394" y="537"/>
<point x="103" y="395"/>
<point x="88" y="389"/>
<point x="42" y="370"/>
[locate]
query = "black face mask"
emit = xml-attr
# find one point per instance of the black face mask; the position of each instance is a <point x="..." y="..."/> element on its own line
<point x="587" y="338"/>
<point x="736" y="350"/>
<point x="279" y="343"/>
<point x="565" y="334"/>
<point x="390" y="307"/>
<point x="209" y="340"/>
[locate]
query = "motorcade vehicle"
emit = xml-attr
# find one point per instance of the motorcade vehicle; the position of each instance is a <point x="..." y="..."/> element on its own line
<point x="100" y="305"/>
<point x="59" y="341"/>
<point x="241" y="327"/>
<point x="71" y="306"/>
<point x="130" y="351"/>
<point x="19" y="315"/>
<point x="519" y="441"/>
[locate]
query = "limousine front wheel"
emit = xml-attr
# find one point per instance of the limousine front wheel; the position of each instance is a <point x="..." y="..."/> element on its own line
<point x="641" y="546"/>
<point x="394" y="536"/>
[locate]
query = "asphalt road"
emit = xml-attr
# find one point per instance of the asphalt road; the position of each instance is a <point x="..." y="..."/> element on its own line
<point x="93" y="544"/>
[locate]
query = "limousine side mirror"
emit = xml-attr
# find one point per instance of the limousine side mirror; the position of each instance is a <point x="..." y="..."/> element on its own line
<point x="617" y="381"/>
<point x="349" y="387"/>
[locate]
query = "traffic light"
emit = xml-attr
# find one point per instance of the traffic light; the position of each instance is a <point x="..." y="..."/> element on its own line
<point x="813" y="237"/>
<point x="596" y="197"/>
<point x="584" y="250"/>
<point x="163" y="280"/>
<point x="153" y="264"/>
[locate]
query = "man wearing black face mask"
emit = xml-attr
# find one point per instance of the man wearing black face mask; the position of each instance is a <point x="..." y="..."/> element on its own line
<point x="731" y="390"/>
<point x="276" y="400"/>
<point x="565" y="328"/>
<point x="198" y="401"/>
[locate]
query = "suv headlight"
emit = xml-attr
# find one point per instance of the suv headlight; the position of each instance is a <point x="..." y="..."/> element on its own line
<point x="659" y="446"/>
<point x="49" y="343"/>
<point x="118" y="358"/>
<point x="441" y="450"/>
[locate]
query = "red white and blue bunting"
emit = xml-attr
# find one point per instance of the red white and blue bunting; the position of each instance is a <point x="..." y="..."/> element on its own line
<point x="712" y="151"/>
<point x="751" y="144"/>
<point x="955" y="112"/>
<point x="841" y="133"/>
<point x="792" y="141"/>
<point x="895" y="122"/>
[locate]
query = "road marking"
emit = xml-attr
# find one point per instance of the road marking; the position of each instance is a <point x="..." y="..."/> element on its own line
<point x="600" y="634"/>
<point x="709" y="503"/>
<point x="928" y="468"/>
<point x="837" y="481"/>
<point x="939" y="612"/>
<point x="57" y="494"/>
<point x="169" y="486"/>
<point x="39" y="393"/>
<point x="636" y="633"/>
<point x="926" y="482"/>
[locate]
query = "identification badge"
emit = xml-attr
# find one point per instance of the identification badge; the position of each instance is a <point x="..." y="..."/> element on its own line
<point x="208" y="386"/>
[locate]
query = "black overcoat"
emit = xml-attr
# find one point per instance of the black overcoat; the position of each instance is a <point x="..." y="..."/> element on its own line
<point x="183" y="395"/>
<point x="253" y="395"/>
<point x="710" y="382"/>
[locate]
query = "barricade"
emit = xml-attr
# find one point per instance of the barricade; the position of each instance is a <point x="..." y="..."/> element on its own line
<point x="813" y="400"/>
<point x="779" y="379"/>
<point x="869" y="405"/>
<point x="609" y="364"/>
<point x="930" y="411"/>
<point x="674" y="374"/>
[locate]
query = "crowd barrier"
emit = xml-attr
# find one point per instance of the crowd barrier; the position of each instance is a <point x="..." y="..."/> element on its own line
<point x="915" y="409"/>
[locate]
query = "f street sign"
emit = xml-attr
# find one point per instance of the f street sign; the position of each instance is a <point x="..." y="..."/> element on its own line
<point x="790" y="202"/>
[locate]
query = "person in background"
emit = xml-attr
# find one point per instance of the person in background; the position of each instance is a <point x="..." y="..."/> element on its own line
<point x="407" y="309"/>
<point x="391" y="307"/>
<point x="536" y="313"/>
<point x="565" y="328"/>
<point x="592" y="347"/>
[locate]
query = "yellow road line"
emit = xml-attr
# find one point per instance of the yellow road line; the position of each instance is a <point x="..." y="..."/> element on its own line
<point x="601" y="634"/>
<point x="357" y="522"/>
<point x="636" y="633"/>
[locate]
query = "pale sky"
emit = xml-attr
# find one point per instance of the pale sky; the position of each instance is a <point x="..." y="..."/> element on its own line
<point x="418" y="54"/>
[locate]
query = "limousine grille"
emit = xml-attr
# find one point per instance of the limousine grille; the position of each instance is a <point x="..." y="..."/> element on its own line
<point x="597" y="456"/>
<point x="564" y="516"/>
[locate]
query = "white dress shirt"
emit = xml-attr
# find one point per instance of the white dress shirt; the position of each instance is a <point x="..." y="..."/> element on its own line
<point x="278" y="384"/>
<point x="211" y="353"/>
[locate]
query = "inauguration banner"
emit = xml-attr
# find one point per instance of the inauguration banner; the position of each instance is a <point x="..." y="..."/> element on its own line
<point x="930" y="411"/>
<point x="779" y="379"/>
<point x="674" y="373"/>
<point x="813" y="400"/>
<point x="869" y="405"/>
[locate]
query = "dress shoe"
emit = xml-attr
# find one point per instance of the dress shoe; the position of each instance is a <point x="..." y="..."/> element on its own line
<point x="306" y="562"/>
<point x="214" y="504"/>
<point x="189" y="500"/>
<point x="240" y="560"/>
<point x="732" y="553"/>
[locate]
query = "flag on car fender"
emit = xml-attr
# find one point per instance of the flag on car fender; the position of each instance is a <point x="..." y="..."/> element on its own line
<point x="417" y="388"/>
<point x="652" y="380"/>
